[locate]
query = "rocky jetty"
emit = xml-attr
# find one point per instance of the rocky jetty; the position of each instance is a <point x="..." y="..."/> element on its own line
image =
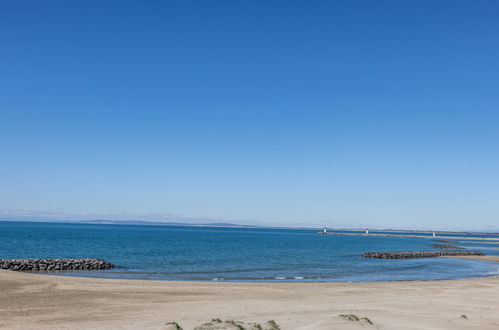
<point x="444" y="241"/>
<point x="420" y="254"/>
<point x="447" y="246"/>
<point x="49" y="265"/>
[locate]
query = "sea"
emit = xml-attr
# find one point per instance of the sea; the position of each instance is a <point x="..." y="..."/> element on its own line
<point x="190" y="253"/>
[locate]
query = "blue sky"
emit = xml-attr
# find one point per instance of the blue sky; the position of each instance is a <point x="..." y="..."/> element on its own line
<point x="348" y="113"/>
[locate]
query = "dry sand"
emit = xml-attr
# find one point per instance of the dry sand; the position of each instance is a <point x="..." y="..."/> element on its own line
<point x="34" y="301"/>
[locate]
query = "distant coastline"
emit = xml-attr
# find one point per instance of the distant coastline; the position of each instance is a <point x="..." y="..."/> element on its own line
<point x="132" y="222"/>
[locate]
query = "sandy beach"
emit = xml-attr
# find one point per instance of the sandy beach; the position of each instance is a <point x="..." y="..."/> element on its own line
<point x="35" y="301"/>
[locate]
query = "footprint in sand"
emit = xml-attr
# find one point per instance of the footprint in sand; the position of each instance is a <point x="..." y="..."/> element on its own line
<point x="355" y="318"/>
<point x="217" y="324"/>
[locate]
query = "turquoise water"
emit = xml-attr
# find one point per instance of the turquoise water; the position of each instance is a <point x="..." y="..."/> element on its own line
<point x="230" y="254"/>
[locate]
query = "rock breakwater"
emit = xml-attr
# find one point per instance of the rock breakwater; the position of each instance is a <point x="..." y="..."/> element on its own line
<point x="447" y="246"/>
<point x="444" y="241"/>
<point x="48" y="265"/>
<point x="420" y="254"/>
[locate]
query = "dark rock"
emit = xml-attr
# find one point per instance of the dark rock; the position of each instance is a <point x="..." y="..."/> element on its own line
<point x="420" y="254"/>
<point x="54" y="264"/>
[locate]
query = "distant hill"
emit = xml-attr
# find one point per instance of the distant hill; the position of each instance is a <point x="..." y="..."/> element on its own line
<point x="161" y="223"/>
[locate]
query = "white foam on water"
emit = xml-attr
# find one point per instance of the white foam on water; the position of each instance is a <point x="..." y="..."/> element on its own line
<point x="493" y="273"/>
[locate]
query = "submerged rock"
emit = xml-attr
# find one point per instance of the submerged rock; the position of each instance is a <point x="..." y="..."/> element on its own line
<point x="447" y="246"/>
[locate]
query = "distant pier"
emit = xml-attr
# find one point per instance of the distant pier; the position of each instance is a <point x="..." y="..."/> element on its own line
<point x="430" y="235"/>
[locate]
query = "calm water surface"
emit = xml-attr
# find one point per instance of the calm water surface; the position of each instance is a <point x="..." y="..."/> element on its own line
<point x="230" y="254"/>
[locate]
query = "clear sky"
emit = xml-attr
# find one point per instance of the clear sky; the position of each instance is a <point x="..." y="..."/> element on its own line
<point x="369" y="113"/>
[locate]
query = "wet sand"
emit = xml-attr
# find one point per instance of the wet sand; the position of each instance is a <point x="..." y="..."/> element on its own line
<point x="35" y="301"/>
<point x="484" y="258"/>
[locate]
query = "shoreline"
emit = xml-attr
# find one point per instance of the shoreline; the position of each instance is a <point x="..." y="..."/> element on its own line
<point x="43" y="301"/>
<point x="64" y="273"/>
